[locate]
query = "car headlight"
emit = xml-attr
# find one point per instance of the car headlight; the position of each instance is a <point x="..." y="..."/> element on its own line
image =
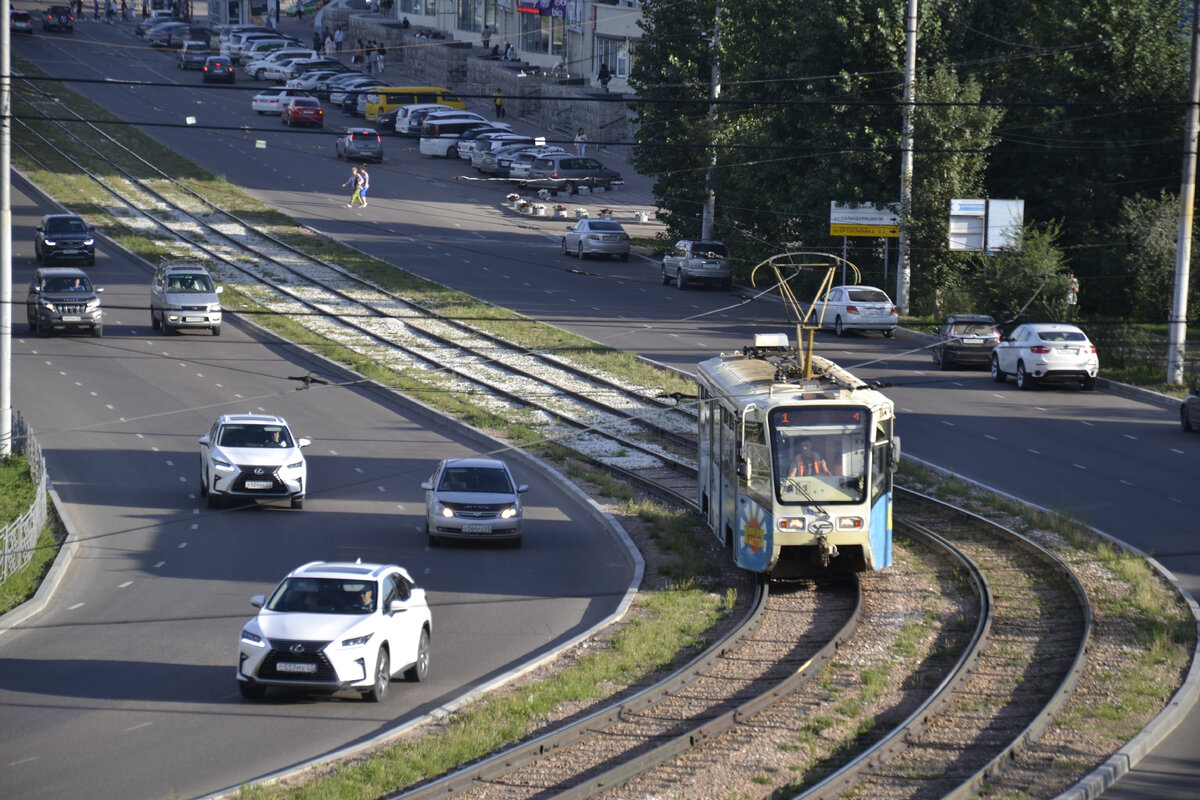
<point x="510" y="512"/>
<point x="357" y="641"/>
<point x="296" y="464"/>
<point x="221" y="463"/>
<point x="46" y="304"/>
<point x="93" y="304"/>
<point x="50" y="242"/>
<point x="251" y="638"/>
<point x="88" y="242"/>
<point x="214" y="308"/>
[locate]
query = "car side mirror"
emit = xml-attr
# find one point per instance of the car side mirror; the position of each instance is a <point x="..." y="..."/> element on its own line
<point x="304" y="441"/>
<point x="524" y="487"/>
<point x="39" y="229"/>
<point x="204" y="440"/>
<point x="258" y="600"/>
<point x="99" y="290"/>
<point x="220" y="289"/>
<point x="427" y="485"/>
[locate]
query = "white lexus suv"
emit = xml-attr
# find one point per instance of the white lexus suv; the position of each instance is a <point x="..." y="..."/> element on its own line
<point x="332" y="626"/>
<point x="252" y="456"/>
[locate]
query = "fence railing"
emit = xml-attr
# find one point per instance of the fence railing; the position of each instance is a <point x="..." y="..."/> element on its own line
<point x="19" y="538"/>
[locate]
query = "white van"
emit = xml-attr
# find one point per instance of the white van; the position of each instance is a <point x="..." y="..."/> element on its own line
<point x="439" y="133"/>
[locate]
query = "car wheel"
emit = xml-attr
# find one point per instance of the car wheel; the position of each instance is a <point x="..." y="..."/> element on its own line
<point x="838" y="327"/>
<point x="203" y="486"/>
<point x="153" y="321"/>
<point x="261" y="112"/>
<point x="91" y="262"/>
<point x="37" y="254"/>
<point x="997" y="374"/>
<point x="216" y="330"/>
<point x="566" y="251"/>
<point x="420" y="670"/>
<point x="1185" y="419"/>
<point x="571" y="188"/>
<point x="383" y="677"/>
<point x="624" y="256"/>
<point x="258" y="75"/>
<point x="214" y="500"/>
<point x="250" y="691"/>
<point x="452" y="152"/>
<point x="939" y="358"/>
<point x="680" y="280"/>
<point x="97" y="331"/>
<point x="579" y="251"/>
<point x="1088" y="384"/>
<point x="666" y="279"/>
<point x="515" y="543"/>
<point x="889" y="333"/>
<point x="1025" y="381"/>
<point x="298" y="502"/>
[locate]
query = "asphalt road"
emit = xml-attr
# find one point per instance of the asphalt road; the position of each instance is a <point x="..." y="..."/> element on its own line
<point x="1119" y="464"/>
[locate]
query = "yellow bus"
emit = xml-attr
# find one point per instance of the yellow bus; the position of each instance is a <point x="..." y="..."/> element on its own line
<point x="382" y="100"/>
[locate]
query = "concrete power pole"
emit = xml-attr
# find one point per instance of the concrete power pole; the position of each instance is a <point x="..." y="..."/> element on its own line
<point x="714" y="92"/>
<point x="1177" y="323"/>
<point x="904" y="267"/>
<point x="6" y="306"/>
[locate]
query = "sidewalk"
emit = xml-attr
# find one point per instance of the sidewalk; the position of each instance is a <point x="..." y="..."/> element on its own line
<point x="635" y="196"/>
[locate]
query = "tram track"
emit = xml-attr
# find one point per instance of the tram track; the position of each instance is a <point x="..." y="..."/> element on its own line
<point x="602" y="417"/>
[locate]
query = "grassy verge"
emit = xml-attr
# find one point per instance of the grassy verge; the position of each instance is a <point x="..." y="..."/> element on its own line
<point x="17" y="493"/>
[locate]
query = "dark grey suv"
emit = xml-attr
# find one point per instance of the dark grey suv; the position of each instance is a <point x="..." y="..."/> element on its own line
<point x="63" y="299"/>
<point x="694" y="262"/>
<point x="966" y="339"/>
<point x="62" y="237"/>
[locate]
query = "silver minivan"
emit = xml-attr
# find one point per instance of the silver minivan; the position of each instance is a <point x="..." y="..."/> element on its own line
<point x="184" y="296"/>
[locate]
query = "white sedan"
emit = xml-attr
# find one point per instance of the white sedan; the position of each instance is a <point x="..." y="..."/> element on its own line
<point x="860" y="308"/>
<point x="1046" y="351"/>
<point x="253" y="457"/>
<point x="333" y="626"/>
<point x="272" y="100"/>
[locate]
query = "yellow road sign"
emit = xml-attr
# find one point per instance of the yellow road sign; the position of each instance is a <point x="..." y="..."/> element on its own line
<point x="871" y="231"/>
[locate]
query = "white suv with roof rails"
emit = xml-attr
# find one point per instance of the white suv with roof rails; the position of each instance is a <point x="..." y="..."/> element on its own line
<point x="253" y="457"/>
<point x="184" y="296"/>
<point x="330" y="626"/>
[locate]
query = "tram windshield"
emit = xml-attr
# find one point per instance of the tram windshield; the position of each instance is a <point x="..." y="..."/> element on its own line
<point x="820" y="454"/>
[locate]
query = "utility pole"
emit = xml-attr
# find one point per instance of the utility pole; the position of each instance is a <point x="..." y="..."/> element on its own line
<point x="714" y="92"/>
<point x="1177" y="322"/>
<point x="904" y="266"/>
<point x="6" y="307"/>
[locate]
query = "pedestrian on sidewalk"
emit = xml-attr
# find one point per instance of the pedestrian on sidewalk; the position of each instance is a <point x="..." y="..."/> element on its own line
<point x="486" y="37"/>
<point x="357" y="182"/>
<point x="604" y="76"/>
<point x="498" y="99"/>
<point x="338" y="38"/>
<point x="330" y="47"/>
<point x="366" y="184"/>
<point x="318" y="43"/>
<point x="299" y="10"/>
<point x="357" y="54"/>
<point x="581" y="142"/>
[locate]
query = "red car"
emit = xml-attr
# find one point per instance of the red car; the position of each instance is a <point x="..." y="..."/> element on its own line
<point x="303" y="111"/>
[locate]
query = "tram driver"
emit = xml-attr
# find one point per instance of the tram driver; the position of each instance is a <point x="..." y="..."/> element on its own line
<point x="808" y="461"/>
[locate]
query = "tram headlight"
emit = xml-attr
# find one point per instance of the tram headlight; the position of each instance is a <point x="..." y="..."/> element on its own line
<point x="850" y="523"/>
<point x="788" y="524"/>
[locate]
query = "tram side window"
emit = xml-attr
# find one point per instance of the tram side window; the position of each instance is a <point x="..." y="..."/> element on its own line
<point x="881" y="474"/>
<point x="758" y="458"/>
<point x="728" y="433"/>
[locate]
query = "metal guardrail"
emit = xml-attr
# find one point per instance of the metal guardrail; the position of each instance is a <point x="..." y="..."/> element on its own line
<point x="18" y="539"/>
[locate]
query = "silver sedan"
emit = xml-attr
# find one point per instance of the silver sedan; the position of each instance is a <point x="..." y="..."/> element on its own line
<point x="596" y="237"/>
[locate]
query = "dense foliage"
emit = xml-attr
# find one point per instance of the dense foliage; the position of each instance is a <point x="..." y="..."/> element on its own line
<point x="1075" y="107"/>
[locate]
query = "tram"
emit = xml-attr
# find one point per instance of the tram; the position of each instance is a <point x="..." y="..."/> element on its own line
<point x="796" y="458"/>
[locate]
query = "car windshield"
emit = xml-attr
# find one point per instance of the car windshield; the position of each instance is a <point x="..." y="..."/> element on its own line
<point x="325" y="596"/>
<point x="1062" y="336"/>
<point x="68" y="284"/>
<point x="240" y="435"/>
<point x="190" y="283"/>
<point x="867" y="296"/>
<point x="66" y="226"/>
<point x="491" y="480"/>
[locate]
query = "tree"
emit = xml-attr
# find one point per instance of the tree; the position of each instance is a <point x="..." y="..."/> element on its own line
<point x="1027" y="283"/>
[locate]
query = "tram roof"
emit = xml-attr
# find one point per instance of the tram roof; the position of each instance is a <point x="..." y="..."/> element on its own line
<point x="745" y="379"/>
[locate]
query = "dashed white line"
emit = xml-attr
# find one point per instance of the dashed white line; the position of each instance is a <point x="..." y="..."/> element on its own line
<point x="1079" y="466"/>
<point x="125" y="585"/>
<point x="160" y="564"/>
<point x="1031" y="450"/>
<point x="1085" y="422"/>
<point x="947" y="423"/>
<point x="77" y="605"/>
<point x="22" y="761"/>
<point x="993" y="438"/>
<point x="1127" y="483"/>
<point x="139" y="727"/>
<point x="182" y="545"/>
<point x="1129" y="436"/>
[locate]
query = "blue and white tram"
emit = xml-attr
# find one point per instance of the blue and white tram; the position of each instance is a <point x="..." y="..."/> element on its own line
<point x="795" y="471"/>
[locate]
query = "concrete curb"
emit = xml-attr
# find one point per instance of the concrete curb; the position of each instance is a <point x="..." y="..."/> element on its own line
<point x="1181" y="703"/>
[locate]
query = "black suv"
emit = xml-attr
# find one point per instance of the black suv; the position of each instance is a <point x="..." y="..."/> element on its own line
<point x="966" y="339"/>
<point x="64" y="236"/>
<point x="58" y="18"/>
<point x="63" y="299"/>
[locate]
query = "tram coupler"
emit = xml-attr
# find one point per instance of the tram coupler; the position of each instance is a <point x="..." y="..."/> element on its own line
<point x="827" y="549"/>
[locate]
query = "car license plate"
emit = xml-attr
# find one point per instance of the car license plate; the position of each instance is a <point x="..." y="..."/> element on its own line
<point x="289" y="666"/>
<point x="259" y="484"/>
<point x="477" y="528"/>
<point x="72" y="319"/>
<point x="193" y="319"/>
<point x="973" y="341"/>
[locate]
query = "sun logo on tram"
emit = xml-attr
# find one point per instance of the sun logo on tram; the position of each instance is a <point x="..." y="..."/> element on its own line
<point x="753" y="534"/>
